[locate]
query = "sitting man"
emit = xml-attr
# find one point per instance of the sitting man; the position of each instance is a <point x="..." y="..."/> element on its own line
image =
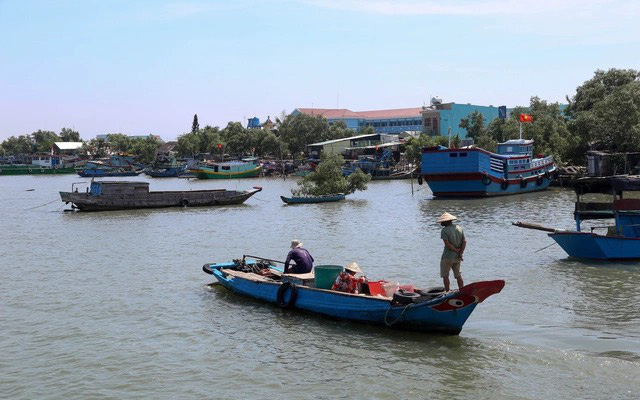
<point x="347" y="281"/>
<point x="301" y="257"/>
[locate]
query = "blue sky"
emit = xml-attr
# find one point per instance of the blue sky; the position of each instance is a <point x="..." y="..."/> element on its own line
<point x="141" y="67"/>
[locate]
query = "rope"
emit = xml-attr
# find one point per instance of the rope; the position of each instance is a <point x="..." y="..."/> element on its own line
<point x="546" y="247"/>
<point x="42" y="205"/>
<point x="397" y="319"/>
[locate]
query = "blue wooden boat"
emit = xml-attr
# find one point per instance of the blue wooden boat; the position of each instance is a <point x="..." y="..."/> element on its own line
<point x="445" y="314"/>
<point x="313" y="199"/>
<point x="474" y="172"/>
<point x="618" y="241"/>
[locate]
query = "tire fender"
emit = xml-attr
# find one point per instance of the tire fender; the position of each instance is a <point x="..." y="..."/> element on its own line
<point x="292" y="298"/>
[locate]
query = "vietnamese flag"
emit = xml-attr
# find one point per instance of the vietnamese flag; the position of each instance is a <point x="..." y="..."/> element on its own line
<point x="526" y="118"/>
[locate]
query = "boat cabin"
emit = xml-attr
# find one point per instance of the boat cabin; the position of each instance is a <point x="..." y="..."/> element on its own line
<point x="625" y="211"/>
<point x="516" y="147"/>
<point x="100" y="188"/>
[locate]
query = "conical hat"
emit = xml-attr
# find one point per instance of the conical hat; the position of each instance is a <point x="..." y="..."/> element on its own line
<point x="446" y="217"/>
<point x="353" y="267"/>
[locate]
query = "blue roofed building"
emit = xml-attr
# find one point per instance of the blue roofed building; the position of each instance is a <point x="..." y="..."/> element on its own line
<point x="393" y="121"/>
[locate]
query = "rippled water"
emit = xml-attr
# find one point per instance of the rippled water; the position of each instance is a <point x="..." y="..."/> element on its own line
<point x="114" y="304"/>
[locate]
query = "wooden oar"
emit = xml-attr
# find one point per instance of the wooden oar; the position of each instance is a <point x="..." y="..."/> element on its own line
<point x="533" y="226"/>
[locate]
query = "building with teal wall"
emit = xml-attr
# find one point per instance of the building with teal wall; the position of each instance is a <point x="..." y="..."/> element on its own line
<point x="440" y="117"/>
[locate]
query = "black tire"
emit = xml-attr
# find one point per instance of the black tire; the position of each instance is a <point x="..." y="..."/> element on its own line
<point x="402" y="297"/>
<point x="184" y="202"/>
<point x="523" y="183"/>
<point x="419" y="179"/>
<point x="504" y="185"/>
<point x="282" y="290"/>
<point x="547" y="174"/>
<point x="207" y="269"/>
<point x="540" y="180"/>
<point x="486" y="180"/>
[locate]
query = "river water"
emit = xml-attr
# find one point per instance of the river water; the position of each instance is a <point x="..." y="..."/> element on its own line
<point x="115" y="304"/>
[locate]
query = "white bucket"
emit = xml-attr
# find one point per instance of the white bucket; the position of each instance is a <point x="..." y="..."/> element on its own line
<point x="390" y="288"/>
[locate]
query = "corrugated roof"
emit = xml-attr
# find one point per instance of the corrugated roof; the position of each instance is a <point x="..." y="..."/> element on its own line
<point x="68" y="145"/>
<point x="343" y="139"/>
<point x="375" y="114"/>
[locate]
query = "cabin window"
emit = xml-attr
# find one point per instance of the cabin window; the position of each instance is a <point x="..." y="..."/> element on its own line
<point x="427" y="122"/>
<point x="215" y="168"/>
<point x="463" y="154"/>
<point x="509" y="149"/>
<point x="226" y="167"/>
<point x="453" y="154"/>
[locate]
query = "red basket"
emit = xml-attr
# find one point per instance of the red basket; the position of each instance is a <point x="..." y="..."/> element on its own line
<point x="375" y="288"/>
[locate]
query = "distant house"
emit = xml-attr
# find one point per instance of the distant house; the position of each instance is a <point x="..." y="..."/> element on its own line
<point x="167" y="150"/>
<point x="340" y="146"/>
<point x="601" y="163"/>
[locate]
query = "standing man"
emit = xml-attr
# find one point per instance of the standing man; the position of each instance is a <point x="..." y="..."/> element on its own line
<point x="454" y="244"/>
<point x="301" y="257"/>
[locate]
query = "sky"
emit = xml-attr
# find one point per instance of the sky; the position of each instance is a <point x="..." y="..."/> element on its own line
<point x="146" y="67"/>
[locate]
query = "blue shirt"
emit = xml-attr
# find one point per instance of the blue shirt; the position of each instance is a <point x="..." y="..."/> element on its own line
<point x="303" y="260"/>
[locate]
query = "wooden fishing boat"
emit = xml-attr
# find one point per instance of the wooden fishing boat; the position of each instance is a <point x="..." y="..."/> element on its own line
<point x="474" y="172"/>
<point x="446" y="313"/>
<point x="313" y="199"/>
<point x="247" y="168"/>
<point x="123" y="195"/>
<point x="620" y="241"/>
<point x="108" y="172"/>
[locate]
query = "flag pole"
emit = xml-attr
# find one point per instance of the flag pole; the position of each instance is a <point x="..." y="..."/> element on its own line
<point x="520" y="130"/>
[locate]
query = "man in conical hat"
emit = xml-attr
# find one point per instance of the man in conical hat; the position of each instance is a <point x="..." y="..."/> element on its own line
<point x="454" y="244"/>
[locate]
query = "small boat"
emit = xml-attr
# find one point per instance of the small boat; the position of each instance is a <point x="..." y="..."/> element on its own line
<point x="108" y="172"/>
<point x="247" y="168"/>
<point x="313" y="199"/>
<point x="166" y="168"/>
<point x="126" y="195"/>
<point x="620" y="241"/>
<point x="474" y="172"/>
<point x="417" y="311"/>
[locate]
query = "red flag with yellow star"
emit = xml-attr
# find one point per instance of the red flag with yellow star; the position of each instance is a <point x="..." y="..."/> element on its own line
<point x="526" y="118"/>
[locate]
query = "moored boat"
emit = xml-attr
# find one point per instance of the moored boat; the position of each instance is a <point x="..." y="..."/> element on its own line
<point x="620" y="241"/>
<point x="313" y="199"/>
<point x="33" y="169"/>
<point x="445" y="313"/>
<point x="474" y="172"/>
<point x="247" y="168"/>
<point x="108" y="172"/>
<point x="123" y="195"/>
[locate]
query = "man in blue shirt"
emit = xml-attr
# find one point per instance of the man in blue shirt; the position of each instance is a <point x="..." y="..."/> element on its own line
<point x="301" y="257"/>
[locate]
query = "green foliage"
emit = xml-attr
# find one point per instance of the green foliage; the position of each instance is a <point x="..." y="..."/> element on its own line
<point x="366" y="130"/>
<point x="328" y="179"/>
<point x="21" y="145"/>
<point x="195" y="126"/>
<point x="605" y="112"/>
<point x="44" y="140"/>
<point x="146" y="149"/>
<point x="300" y="130"/>
<point x="474" y="125"/>
<point x="268" y="144"/>
<point x="69" y="135"/>
<point x="338" y="130"/>
<point x="413" y="147"/>
<point x="95" y="147"/>
<point x="203" y="141"/>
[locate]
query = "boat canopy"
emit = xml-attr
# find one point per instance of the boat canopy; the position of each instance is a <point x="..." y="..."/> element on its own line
<point x="613" y="185"/>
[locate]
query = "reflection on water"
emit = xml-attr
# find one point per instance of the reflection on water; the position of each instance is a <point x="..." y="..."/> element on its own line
<point x="114" y="304"/>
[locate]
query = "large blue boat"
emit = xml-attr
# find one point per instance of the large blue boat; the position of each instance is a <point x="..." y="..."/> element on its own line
<point x="474" y="172"/>
<point x="445" y="313"/>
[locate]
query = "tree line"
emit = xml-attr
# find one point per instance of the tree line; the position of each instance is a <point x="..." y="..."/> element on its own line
<point x="604" y="114"/>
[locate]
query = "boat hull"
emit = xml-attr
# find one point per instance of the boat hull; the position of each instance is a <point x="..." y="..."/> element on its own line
<point x="207" y="173"/>
<point x="597" y="247"/>
<point x="35" y="170"/>
<point x="311" y="200"/>
<point x="479" y="173"/>
<point x="446" y="314"/>
<point x="98" y="173"/>
<point x="160" y="199"/>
